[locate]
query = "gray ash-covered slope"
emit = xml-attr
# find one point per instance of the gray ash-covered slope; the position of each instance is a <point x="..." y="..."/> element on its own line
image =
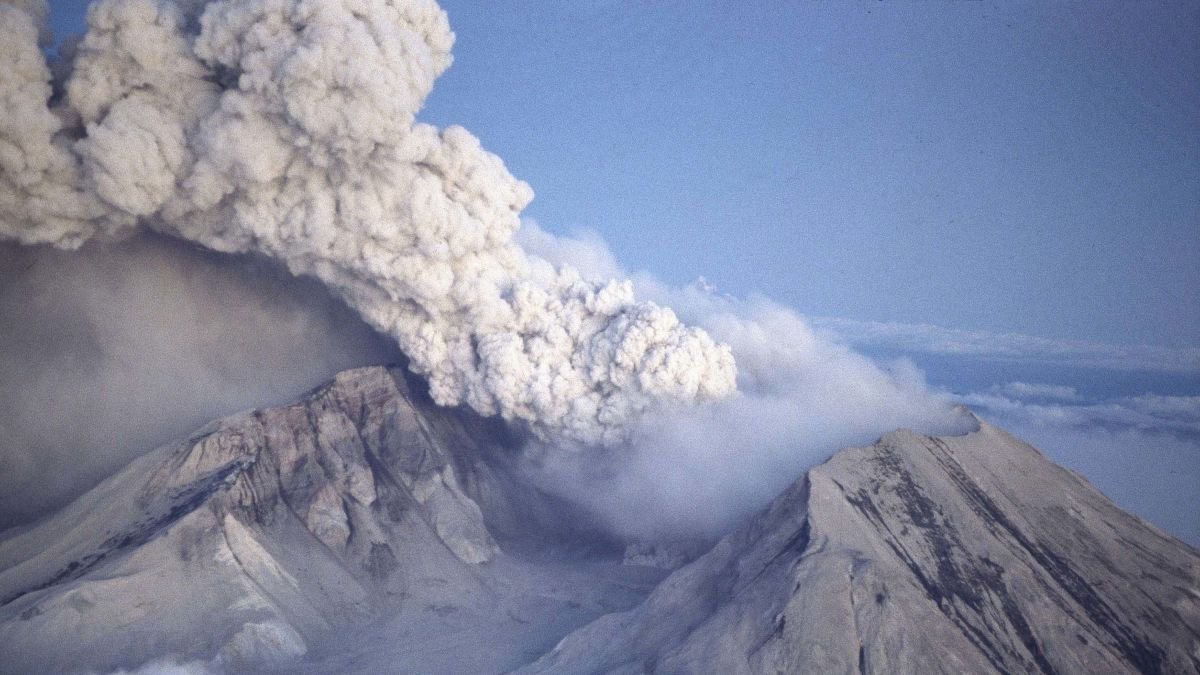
<point x="364" y="529"/>
<point x="970" y="554"/>
<point x="260" y="539"/>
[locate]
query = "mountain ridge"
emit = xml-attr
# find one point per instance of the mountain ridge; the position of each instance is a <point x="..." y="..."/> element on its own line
<point x="812" y="585"/>
<point x="365" y="528"/>
<point x="274" y="528"/>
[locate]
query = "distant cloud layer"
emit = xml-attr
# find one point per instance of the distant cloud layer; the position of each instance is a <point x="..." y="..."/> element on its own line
<point x="1030" y="403"/>
<point x="1025" y="390"/>
<point x="927" y="339"/>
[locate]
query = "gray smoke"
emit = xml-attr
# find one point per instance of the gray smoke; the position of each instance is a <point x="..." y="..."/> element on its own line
<point x="695" y="471"/>
<point x="287" y="129"/>
<point x="111" y="350"/>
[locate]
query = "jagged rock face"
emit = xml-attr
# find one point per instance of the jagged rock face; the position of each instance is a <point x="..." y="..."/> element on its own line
<point x="964" y="554"/>
<point x="354" y="454"/>
<point x="249" y="541"/>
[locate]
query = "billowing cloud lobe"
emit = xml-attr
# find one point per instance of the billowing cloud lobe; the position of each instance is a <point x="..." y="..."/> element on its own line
<point x="287" y="128"/>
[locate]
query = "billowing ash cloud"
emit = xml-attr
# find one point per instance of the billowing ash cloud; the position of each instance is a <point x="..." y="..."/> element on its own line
<point x="287" y="128"/>
<point x="1011" y="347"/>
<point x="696" y="471"/>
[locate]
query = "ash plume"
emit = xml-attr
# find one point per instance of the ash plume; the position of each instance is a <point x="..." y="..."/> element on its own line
<point x="699" y="471"/>
<point x="113" y="349"/>
<point x="286" y="128"/>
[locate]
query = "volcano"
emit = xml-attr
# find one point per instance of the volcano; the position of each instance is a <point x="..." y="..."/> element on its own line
<point x="366" y="529"/>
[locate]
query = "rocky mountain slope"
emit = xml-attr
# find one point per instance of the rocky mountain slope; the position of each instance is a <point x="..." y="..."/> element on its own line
<point x="969" y="554"/>
<point x="289" y="532"/>
<point x="364" y="529"/>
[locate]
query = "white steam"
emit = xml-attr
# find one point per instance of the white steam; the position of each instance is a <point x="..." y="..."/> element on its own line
<point x="287" y="128"/>
<point x="696" y="471"/>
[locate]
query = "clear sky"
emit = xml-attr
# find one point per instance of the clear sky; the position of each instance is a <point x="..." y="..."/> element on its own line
<point x="1024" y="167"/>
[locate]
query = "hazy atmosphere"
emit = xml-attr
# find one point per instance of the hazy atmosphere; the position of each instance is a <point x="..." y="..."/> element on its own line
<point x="995" y="204"/>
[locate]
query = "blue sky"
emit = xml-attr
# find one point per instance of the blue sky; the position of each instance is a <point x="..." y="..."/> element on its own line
<point x="1007" y="194"/>
<point x="1013" y="167"/>
<point x="1024" y="167"/>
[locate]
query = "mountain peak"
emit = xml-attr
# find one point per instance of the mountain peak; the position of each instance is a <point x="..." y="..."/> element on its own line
<point x="263" y="531"/>
<point x="364" y="528"/>
<point x="919" y="554"/>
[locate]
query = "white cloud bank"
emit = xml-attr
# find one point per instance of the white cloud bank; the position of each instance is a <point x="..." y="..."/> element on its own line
<point x="1030" y="404"/>
<point x="1025" y="390"/>
<point x="937" y="340"/>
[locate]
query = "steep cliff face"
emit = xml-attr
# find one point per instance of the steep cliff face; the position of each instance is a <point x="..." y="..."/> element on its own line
<point x="252" y="541"/>
<point x="963" y="554"/>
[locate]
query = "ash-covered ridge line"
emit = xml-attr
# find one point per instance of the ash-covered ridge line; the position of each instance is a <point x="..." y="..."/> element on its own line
<point x="273" y="530"/>
<point x="945" y="555"/>
<point x="176" y="505"/>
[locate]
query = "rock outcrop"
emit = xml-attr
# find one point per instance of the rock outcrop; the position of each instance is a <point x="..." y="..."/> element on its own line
<point x="970" y="554"/>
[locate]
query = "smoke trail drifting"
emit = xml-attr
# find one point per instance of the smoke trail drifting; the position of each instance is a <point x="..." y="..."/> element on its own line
<point x="287" y="128"/>
<point x="113" y="349"/>
<point x="699" y="471"/>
